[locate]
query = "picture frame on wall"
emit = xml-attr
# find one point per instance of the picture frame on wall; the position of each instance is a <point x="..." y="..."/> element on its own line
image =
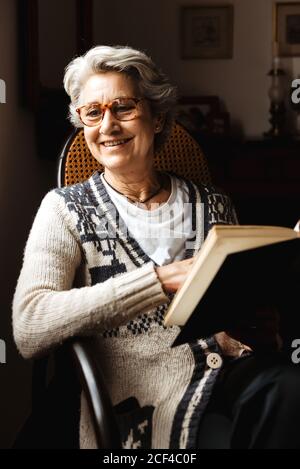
<point x="202" y="115"/>
<point x="287" y="28"/>
<point x="207" y="32"/>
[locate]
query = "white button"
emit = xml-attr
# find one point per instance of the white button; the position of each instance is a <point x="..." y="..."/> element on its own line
<point x="214" y="360"/>
<point x="220" y="207"/>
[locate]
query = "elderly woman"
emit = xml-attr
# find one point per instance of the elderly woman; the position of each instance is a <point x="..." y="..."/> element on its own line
<point x="104" y="257"/>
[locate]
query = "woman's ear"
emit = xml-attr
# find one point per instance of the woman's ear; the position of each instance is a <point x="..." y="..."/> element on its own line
<point x="159" y="123"/>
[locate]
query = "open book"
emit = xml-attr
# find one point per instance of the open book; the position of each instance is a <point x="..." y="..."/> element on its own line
<point x="237" y="268"/>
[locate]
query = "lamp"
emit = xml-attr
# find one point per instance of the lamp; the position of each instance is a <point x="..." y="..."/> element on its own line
<point x="276" y="94"/>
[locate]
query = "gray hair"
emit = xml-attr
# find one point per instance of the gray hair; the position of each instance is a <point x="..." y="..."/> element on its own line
<point x="152" y="83"/>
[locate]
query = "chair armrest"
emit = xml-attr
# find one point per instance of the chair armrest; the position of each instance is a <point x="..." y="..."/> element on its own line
<point x="93" y="385"/>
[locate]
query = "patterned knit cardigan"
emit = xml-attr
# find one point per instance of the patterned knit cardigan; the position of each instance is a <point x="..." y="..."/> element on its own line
<point x="84" y="275"/>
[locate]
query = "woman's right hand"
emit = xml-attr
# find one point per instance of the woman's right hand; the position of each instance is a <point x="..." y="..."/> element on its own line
<point x="173" y="275"/>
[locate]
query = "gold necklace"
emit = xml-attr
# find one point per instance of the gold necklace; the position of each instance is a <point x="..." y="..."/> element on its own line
<point x="129" y="198"/>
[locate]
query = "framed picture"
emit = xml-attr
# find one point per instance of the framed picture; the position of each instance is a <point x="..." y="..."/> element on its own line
<point x="287" y="29"/>
<point x="207" y="32"/>
<point x="203" y="115"/>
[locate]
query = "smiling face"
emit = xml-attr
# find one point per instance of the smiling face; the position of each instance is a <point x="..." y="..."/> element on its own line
<point x="122" y="147"/>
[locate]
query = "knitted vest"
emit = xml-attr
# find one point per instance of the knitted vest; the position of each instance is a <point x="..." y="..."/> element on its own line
<point x="159" y="393"/>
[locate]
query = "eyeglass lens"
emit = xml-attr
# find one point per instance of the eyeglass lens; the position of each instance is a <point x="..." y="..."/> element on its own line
<point x="122" y="109"/>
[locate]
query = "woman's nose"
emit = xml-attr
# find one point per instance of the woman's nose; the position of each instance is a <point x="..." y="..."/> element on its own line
<point x="109" y="122"/>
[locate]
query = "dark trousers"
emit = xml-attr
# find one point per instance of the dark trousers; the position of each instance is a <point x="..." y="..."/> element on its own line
<point x="255" y="404"/>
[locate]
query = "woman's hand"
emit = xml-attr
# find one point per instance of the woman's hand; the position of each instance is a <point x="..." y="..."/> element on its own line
<point x="173" y="275"/>
<point x="261" y="332"/>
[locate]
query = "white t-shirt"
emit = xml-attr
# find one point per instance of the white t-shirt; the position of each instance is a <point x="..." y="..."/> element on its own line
<point x="162" y="232"/>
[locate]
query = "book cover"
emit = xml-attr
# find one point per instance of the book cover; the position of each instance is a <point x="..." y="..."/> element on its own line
<point x="238" y="281"/>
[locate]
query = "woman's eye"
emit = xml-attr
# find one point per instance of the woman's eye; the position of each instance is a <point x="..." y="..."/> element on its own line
<point x="123" y="108"/>
<point x="93" y="112"/>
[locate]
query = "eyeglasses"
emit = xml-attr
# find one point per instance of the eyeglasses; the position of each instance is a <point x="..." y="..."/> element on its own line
<point x="123" y="109"/>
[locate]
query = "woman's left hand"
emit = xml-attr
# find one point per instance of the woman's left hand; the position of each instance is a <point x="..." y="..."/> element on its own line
<point x="261" y="333"/>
